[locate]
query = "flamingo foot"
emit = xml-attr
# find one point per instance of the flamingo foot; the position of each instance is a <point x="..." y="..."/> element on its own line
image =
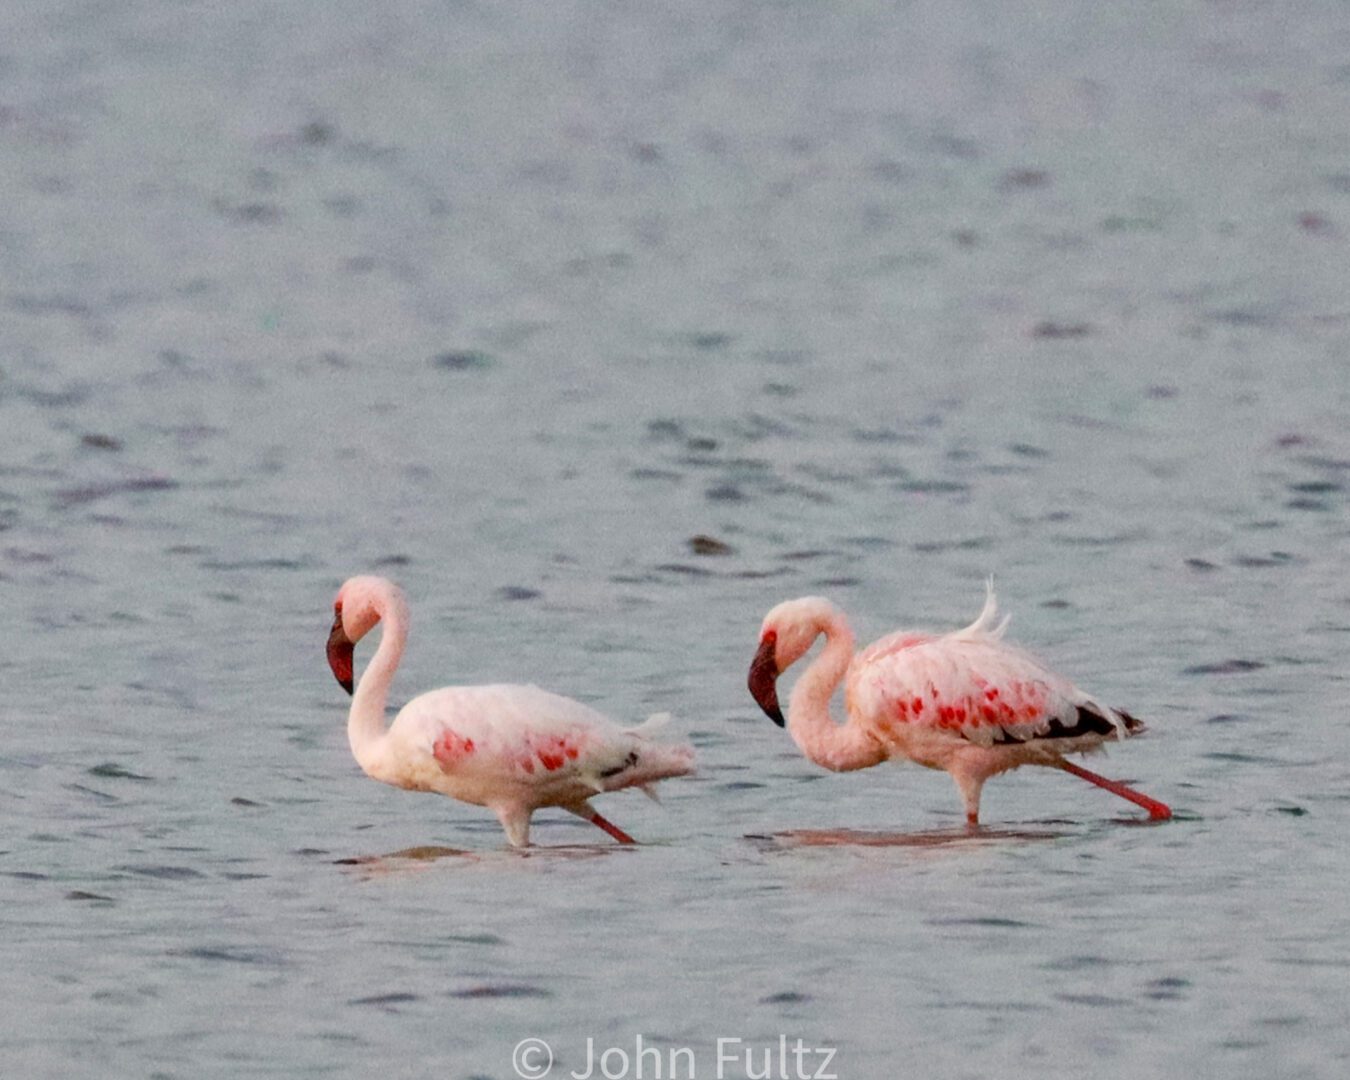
<point x="600" y="822"/>
<point x="1157" y="811"/>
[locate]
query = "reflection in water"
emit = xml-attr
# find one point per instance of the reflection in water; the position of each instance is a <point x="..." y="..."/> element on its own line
<point x="421" y="853"/>
<point x="419" y="857"/>
<point x="795" y="838"/>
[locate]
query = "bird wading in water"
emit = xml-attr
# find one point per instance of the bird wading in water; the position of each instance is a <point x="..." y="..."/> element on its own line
<point x="512" y="749"/>
<point x="967" y="702"/>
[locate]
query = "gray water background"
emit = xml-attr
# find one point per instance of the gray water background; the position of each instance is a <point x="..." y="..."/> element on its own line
<point x="510" y="302"/>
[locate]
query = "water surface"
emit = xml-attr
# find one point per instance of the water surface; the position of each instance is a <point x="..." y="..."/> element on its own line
<point x="603" y="329"/>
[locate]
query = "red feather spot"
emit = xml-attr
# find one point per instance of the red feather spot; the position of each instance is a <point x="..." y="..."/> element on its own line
<point x="572" y="752"/>
<point x="527" y="764"/>
<point x="917" y="705"/>
<point x="451" y="748"/>
<point x="991" y="693"/>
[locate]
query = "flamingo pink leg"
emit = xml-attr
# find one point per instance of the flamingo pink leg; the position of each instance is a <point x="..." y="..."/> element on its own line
<point x="595" y="818"/>
<point x="1156" y="811"/>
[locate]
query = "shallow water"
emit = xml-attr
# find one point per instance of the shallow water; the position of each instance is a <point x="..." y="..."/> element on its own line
<point x="515" y="303"/>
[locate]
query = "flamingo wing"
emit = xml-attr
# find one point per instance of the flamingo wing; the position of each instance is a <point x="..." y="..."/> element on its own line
<point x="516" y="735"/>
<point x="973" y="687"/>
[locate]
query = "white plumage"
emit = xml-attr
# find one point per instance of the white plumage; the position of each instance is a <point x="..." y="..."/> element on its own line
<point x="967" y="701"/>
<point x="510" y="748"/>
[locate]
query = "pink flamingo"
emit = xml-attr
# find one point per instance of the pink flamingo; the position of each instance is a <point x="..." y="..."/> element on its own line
<point x="966" y="702"/>
<point x="512" y="749"/>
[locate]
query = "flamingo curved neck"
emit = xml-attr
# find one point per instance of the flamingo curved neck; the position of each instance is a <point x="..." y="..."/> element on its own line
<point x="838" y="747"/>
<point x="366" y="721"/>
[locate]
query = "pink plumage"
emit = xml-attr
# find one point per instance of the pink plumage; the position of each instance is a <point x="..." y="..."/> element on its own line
<point x="512" y="749"/>
<point x="967" y="702"/>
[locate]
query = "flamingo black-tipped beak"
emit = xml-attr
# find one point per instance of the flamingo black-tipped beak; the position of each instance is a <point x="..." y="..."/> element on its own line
<point x="340" y="652"/>
<point x="763" y="681"/>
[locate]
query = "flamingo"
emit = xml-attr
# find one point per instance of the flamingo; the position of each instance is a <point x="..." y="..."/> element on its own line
<point x="966" y="702"/>
<point x="512" y="749"/>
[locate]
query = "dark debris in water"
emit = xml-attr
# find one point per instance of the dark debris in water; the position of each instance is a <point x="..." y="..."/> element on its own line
<point x="1317" y="487"/>
<point x="100" y="442"/>
<point x="229" y="954"/>
<point x="996" y="922"/>
<point x="317" y="133"/>
<point x="1256" y="562"/>
<point x="239" y="800"/>
<point x="1293" y="811"/>
<point x="725" y="493"/>
<point x="1203" y="565"/>
<point x="386" y="1001"/>
<point x="936" y="547"/>
<point x="462" y="360"/>
<point x="1224" y="667"/>
<point x="809" y="553"/>
<point x="1098" y="1001"/>
<point x="1023" y="179"/>
<point x="80" y="894"/>
<point x="1168" y="988"/>
<point x="476" y="939"/>
<point x="932" y="487"/>
<point x="102" y="796"/>
<point x="786" y="997"/>
<point x="517" y="592"/>
<point x="500" y="990"/>
<point x="710" y="341"/>
<point x="1049" y="330"/>
<point x="110" y="770"/>
<point x="92" y="492"/>
<point x="703" y="544"/>
<point x="665" y="430"/>
<point x="164" y="873"/>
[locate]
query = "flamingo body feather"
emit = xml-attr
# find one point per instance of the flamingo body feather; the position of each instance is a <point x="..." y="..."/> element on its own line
<point x="511" y="748"/>
<point x="967" y="702"/>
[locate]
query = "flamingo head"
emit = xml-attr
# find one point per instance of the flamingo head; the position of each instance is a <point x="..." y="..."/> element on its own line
<point x="787" y="633"/>
<point x="360" y="604"/>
